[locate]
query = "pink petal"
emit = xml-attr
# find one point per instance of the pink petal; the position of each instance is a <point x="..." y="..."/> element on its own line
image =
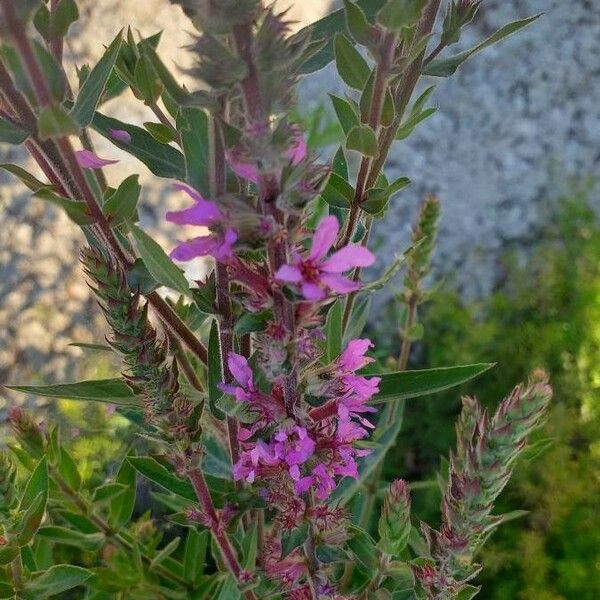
<point x="246" y="171"/>
<point x="339" y="283"/>
<point x="347" y="258"/>
<point x="223" y="250"/>
<point x="312" y="291"/>
<point x="304" y="484"/>
<point x="200" y="246"/>
<point x="288" y="273"/>
<point x="89" y="160"/>
<point x="190" y="191"/>
<point x="238" y="365"/>
<point x="324" y="237"/>
<point x="201" y="214"/>
<point x="120" y="135"/>
<point x="298" y="151"/>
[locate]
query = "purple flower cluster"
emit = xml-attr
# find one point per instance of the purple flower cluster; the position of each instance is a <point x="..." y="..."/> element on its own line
<point x="312" y="453"/>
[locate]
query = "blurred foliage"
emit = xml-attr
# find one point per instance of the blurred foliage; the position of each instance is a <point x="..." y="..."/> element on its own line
<point x="545" y="314"/>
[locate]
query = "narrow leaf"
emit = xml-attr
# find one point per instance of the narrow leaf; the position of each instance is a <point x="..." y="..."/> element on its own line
<point x="11" y="133"/>
<point x="55" y="580"/>
<point x="160" y="266"/>
<point x="89" y="96"/>
<point x="157" y="473"/>
<point x="121" y="205"/>
<point x="351" y="66"/>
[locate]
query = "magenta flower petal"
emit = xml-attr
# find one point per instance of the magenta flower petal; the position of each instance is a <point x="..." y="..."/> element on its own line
<point x="120" y="135"/>
<point x="203" y="213"/>
<point x="241" y="371"/>
<point x="200" y="246"/>
<point x="347" y="258"/>
<point x="311" y="291"/>
<point x="88" y="160"/>
<point x="246" y="171"/>
<point x="298" y="151"/>
<point x="339" y="283"/>
<point x="289" y="273"/>
<point x="190" y="191"/>
<point x="325" y="236"/>
<point x="353" y="357"/>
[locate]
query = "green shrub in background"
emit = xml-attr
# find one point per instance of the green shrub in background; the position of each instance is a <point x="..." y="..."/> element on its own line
<point x="546" y="314"/>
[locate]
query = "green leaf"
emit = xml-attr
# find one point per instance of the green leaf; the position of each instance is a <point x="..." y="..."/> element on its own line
<point x="351" y="66"/>
<point x="214" y="370"/>
<point x="90" y="542"/>
<point x="113" y="391"/>
<point x="53" y="72"/>
<point x="229" y="590"/>
<point x="378" y="198"/>
<point x="28" y="179"/>
<point x="91" y="92"/>
<point x="413" y="384"/>
<point x="338" y="192"/>
<point x="157" y="473"/>
<point x="409" y="125"/>
<point x="36" y="484"/>
<point x="55" y="580"/>
<point x="397" y="14"/>
<point x="252" y="322"/>
<point x="121" y="205"/>
<point x="250" y="547"/>
<point x="192" y="124"/>
<point x="108" y="492"/>
<point x="7" y="554"/>
<point x="339" y="165"/>
<point x="175" y="91"/>
<point x="194" y="556"/>
<point x="65" y="14"/>
<point x="165" y="552"/>
<point x="444" y="67"/>
<point x="55" y="121"/>
<point x="294" y="539"/>
<point x="28" y="522"/>
<point x="121" y="506"/>
<point x="357" y="23"/>
<point x="162" y="160"/>
<point x="468" y="592"/>
<point x="345" y="113"/>
<point x="363" y="547"/>
<point x="160" y="132"/>
<point x="333" y="331"/>
<point x="76" y="211"/>
<point x="68" y="469"/>
<point x="147" y="83"/>
<point x="363" y="140"/>
<point x="160" y="266"/>
<point x="326" y="28"/>
<point x="11" y="133"/>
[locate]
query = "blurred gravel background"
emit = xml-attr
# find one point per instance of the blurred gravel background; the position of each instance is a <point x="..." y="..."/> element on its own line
<point x="515" y="124"/>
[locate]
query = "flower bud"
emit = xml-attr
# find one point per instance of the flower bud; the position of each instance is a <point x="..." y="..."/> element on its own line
<point x="8" y="492"/>
<point x="394" y="523"/>
<point x="459" y="14"/>
<point x="27" y="431"/>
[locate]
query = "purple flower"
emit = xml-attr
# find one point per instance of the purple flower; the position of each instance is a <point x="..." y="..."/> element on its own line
<point x="88" y="160"/>
<point x="242" y="373"/>
<point x="294" y="446"/>
<point x="353" y="357"/>
<point x="218" y="243"/>
<point x="296" y="153"/>
<point x="315" y="274"/>
<point x="120" y="135"/>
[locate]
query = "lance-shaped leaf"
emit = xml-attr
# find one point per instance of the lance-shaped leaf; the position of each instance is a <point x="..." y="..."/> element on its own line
<point x="444" y="67"/>
<point x="195" y="555"/>
<point x="193" y="125"/>
<point x="413" y="384"/>
<point x="121" y="205"/>
<point x="162" y="160"/>
<point x="11" y="133"/>
<point x="326" y="28"/>
<point x="95" y="84"/>
<point x="345" y="112"/>
<point x="69" y="537"/>
<point x="122" y="505"/>
<point x="56" y="580"/>
<point x="26" y="178"/>
<point x="157" y="473"/>
<point x="113" y="391"/>
<point x="160" y="266"/>
<point x="334" y="331"/>
<point x="76" y="211"/>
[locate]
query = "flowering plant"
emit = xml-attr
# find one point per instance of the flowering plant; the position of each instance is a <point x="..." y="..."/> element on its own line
<point x="266" y="417"/>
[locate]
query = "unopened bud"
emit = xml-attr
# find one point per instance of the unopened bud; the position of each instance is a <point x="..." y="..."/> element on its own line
<point x="394" y="523"/>
<point x="8" y="492"/>
<point x="27" y="431"/>
<point x="459" y="14"/>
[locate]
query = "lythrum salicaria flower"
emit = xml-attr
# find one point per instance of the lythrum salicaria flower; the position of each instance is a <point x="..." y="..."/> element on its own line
<point x="88" y="160"/>
<point x="219" y="241"/>
<point x="315" y="274"/>
<point x="120" y="135"/>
